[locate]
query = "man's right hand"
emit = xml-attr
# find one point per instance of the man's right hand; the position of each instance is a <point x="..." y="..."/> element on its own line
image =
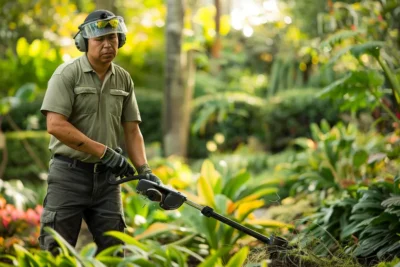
<point x="117" y="163"/>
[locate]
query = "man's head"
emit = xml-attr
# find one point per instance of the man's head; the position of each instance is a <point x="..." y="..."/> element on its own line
<point x="101" y="34"/>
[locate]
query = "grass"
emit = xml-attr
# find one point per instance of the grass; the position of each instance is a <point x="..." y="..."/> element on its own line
<point x="293" y="256"/>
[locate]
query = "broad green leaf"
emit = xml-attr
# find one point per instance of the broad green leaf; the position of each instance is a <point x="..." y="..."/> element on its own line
<point x="22" y="47"/>
<point x="65" y="247"/>
<point x="110" y="260"/>
<point x="231" y="188"/>
<point x="175" y="256"/>
<point x="211" y="174"/>
<point x="205" y="191"/>
<point x="255" y="196"/>
<point x="35" y="48"/>
<point x="189" y="252"/>
<point x="89" y="251"/>
<point x="25" y="92"/>
<point x="25" y="258"/>
<point x="156" y="229"/>
<point x="248" y="207"/>
<point x="239" y="258"/>
<point x="214" y="258"/>
<point x="222" y="203"/>
<point x="270" y="223"/>
<point x="360" y="158"/>
<point x="127" y="239"/>
<point x="305" y="143"/>
<point x="371" y="48"/>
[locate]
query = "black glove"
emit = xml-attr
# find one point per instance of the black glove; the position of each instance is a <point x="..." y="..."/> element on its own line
<point x="117" y="163"/>
<point x="145" y="170"/>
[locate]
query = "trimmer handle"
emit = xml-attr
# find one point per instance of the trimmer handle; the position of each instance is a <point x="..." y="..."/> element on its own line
<point x="120" y="180"/>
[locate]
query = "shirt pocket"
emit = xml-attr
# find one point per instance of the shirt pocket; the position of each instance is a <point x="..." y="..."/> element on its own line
<point x="86" y="100"/>
<point x="116" y="101"/>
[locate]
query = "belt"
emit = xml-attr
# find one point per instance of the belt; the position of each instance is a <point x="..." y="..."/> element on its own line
<point x="90" y="167"/>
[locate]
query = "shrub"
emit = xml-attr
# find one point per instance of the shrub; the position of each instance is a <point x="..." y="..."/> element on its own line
<point x="290" y="113"/>
<point x="20" y="165"/>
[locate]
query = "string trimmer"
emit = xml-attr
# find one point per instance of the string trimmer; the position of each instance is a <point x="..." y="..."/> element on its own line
<point x="171" y="199"/>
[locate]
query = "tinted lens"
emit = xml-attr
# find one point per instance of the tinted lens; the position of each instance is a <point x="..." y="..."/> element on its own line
<point x="114" y="23"/>
<point x="103" y="23"/>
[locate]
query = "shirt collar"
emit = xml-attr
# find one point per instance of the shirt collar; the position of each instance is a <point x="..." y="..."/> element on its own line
<point x="86" y="67"/>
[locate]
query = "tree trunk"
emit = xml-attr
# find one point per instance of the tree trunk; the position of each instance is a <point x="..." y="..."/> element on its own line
<point x="179" y="78"/>
<point x="106" y="4"/>
<point x="3" y="147"/>
<point x="216" y="48"/>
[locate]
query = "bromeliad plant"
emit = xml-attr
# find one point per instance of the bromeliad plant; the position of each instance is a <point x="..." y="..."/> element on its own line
<point x="337" y="157"/>
<point x="235" y="197"/>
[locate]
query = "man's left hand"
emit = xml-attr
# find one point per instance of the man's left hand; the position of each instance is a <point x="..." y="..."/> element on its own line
<point x="145" y="170"/>
<point x="153" y="178"/>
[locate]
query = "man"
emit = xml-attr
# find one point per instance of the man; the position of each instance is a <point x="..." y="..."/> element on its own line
<point x="89" y="105"/>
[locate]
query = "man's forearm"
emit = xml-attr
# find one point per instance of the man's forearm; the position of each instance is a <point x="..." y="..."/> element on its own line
<point x="72" y="137"/>
<point x="135" y="145"/>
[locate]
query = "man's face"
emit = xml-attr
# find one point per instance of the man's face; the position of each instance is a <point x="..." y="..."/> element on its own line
<point x="103" y="48"/>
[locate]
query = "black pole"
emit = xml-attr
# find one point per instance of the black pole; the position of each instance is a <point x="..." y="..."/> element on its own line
<point x="209" y="212"/>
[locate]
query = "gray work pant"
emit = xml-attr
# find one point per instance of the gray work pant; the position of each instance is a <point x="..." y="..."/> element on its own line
<point x="74" y="194"/>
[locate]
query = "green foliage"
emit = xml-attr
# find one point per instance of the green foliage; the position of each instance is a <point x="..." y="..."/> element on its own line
<point x="366" y="221"/>
<point x="26" y="116"/>
<point x="136" y="254"/>
<point x="394" y="263"/>
<point x="20" y="165"/>
<point x="336" y="158"/>
<point x="235" y="197"/>
<point x="150" y="106"/>
<point x="359" y="89"/>
<point x="34" y="63"/>
<point x="143" y="54"/>
<point x="290" y="113"/>
<point x="364" y="86"/>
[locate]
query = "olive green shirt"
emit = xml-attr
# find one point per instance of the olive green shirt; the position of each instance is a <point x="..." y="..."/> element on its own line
<point x="96" y="109"/>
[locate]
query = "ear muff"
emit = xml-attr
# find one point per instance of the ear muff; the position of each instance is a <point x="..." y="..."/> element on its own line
<point x="82" y="43"/>
<point x="121" y="39"/>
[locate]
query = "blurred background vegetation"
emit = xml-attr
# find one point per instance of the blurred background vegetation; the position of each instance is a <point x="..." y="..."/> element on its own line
<point x="288" y="111"/>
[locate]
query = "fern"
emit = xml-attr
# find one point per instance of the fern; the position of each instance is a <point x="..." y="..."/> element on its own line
<point x="392" y="201"/>
<point x="340" y="36"/>
<point x="371" y="48"/>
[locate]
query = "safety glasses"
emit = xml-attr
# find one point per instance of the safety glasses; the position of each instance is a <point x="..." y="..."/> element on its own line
<point x="103" y="23"/>
<point x="103" y="27"/>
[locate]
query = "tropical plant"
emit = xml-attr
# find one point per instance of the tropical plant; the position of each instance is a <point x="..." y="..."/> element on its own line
<point x="136" y="253"/>
<point x="235" y="197"/>
<point x="366" y="221"/>
<point x="361" y="46"/>
<point x="336" y="158"/>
